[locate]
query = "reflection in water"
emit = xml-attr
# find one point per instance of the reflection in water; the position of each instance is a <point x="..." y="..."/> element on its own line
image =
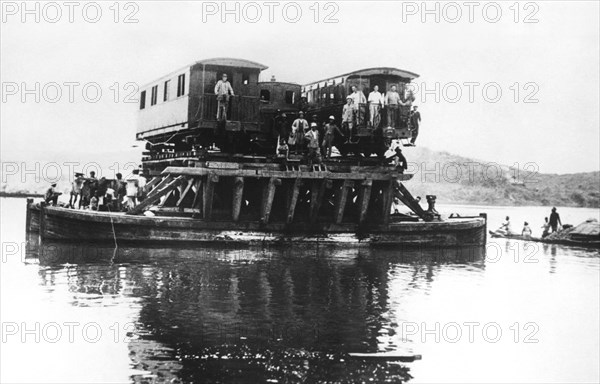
<point x="269" y="313"/>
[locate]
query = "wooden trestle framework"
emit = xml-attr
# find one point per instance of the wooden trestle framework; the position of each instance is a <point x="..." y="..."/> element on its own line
<point x="265" y="193"/>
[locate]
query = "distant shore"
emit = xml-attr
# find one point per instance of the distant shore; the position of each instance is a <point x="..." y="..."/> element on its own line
<point x="20" y="194"/>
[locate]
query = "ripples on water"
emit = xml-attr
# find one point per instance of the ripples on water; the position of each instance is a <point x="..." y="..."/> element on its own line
<point x="222" y="314"/>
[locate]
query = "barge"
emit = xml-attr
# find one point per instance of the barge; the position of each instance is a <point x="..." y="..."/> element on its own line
<point x="215" y="172"/>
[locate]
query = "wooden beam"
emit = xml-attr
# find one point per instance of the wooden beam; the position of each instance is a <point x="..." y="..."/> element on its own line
<point x="238" y="192"/>
<point x="185" y="192"/>
<point x="341" y="198"/>
<point x="293" y="194"/>
<point x="380" y="173"/>
<point x="267" y="201"/>
<point x="364" y="197"/>
<point x="208" y="194"/>
<point x="316" y="198"/>
<point x="155" y="197"/>
<point x="152" y="183"/>
<point x="166" y="180"/>
<point x="388" y="199"/>
<point x="407" y="198"/>
<point x="198" y="194"/>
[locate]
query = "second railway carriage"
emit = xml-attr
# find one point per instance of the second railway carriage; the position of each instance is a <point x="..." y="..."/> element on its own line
<point x="178" y="112"/>
<point x="327" y="97"/>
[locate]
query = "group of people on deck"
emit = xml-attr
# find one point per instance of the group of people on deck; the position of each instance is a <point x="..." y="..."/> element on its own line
<point x="102" y="194"/>
<point x="377" y="101"/>
<point x="318" y="139"/>
<point x="549" y="226"/>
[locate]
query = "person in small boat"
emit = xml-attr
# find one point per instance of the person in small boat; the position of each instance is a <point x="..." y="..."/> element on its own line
<point x="506" y="228"/>
<point x="545" y="228"/>
<point x="526" y="232"/>
<point x="555" y="220"/>
<point x="51" y="196"/>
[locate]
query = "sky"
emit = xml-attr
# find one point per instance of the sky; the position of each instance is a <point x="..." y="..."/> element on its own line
<point x="507" y="82"/>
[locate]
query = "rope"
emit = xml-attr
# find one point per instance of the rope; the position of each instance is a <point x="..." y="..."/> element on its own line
<point x="112" y="224"/>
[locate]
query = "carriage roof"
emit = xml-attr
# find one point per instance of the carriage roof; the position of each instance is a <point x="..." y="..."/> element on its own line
<point x="216" y="62"/>
<point x="364" y="73"/>
<point x="232" y="62"/>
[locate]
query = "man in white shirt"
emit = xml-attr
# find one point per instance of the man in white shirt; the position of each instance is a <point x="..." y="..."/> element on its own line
<point x="357" y="97"/>
<point x="223" y="90"/>
<point x="375" y="103"/>
<point x="392" y="99"/>
<point x="135" y="186"/>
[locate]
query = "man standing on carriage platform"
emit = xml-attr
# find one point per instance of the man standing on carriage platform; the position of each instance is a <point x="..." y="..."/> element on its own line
<point x="348" y="116"/>
<point x="223" y="90"/>
<point x="392" y="99"/>
<point x="375" y="103"/>
<point x="415" y="121"/>
<point x="358" y="98"/>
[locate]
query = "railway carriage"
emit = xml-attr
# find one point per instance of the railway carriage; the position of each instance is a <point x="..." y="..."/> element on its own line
<point x="327" y="97"/>
<point x="178" y="112"/>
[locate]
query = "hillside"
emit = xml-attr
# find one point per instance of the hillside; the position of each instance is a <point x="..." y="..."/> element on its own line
<point x="454" y="179"/>
<point x="459" y="180"/>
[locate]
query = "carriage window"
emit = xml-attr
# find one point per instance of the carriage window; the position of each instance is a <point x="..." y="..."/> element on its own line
<point x="166" y="92"/>
<point x="143" y="100"/>
<point x="181" y="85"/>
<point x="289" y="97"/>
<point x="265" y="95"/>
<point x="245" y="78"/>
<point x="154" y="95"/>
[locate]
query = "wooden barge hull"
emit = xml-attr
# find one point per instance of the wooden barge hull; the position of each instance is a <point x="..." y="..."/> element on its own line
<point x="56" y="223"/>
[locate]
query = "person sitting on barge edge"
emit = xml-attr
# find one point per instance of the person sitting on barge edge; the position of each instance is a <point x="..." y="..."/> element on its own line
<point x="398" y="160"/>
<point x="51" y="195"/>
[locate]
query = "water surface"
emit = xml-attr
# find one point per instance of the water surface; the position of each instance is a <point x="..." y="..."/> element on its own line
<point x="225" y="314"/>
